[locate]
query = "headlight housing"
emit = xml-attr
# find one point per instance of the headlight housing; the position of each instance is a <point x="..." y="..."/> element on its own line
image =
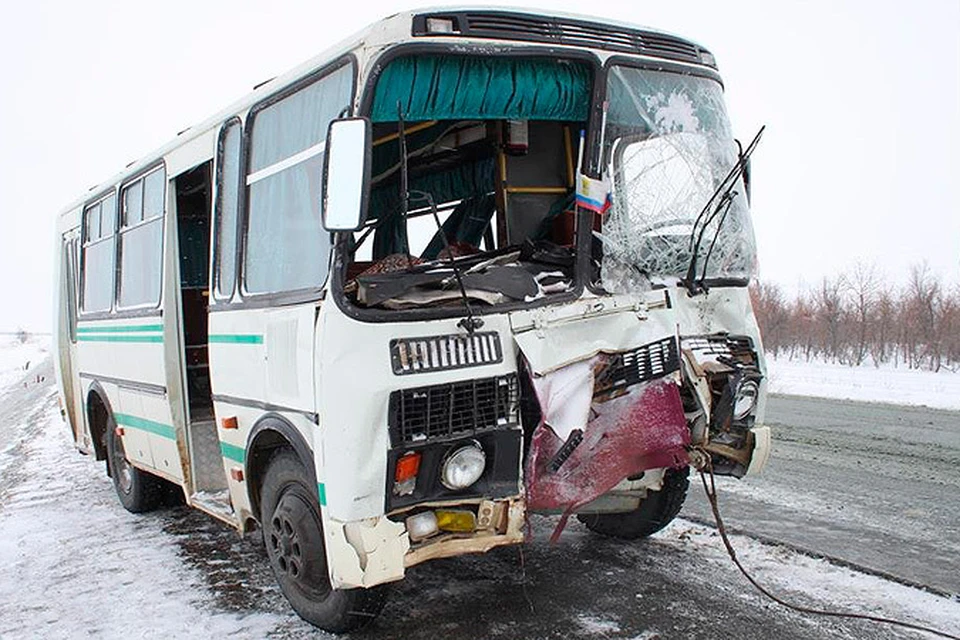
<point x="746" y="399"/>
<point x="463" y="466"/>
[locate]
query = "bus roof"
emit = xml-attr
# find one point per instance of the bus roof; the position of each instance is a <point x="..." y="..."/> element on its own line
<point x="487" y="24"/>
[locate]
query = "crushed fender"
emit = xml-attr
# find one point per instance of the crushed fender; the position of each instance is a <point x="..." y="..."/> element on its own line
<point x="639" y="428"/>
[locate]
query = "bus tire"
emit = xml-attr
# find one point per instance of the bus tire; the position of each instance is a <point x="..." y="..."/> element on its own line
<point x="655" y="512"/>
<point x="137" y="490"/>
<point x="293" y="536"/>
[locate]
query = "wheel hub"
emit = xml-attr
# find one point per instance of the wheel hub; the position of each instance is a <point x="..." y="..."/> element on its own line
<point x="122" y="467"/>
<point x="285" y="538"/>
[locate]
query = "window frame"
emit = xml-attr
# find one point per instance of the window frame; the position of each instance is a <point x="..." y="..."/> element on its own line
<point x="140" y="177"/>
<point x="101" y="197"/>
<point x="217" y="296"/>
<point x="294" y="296"/>
<point x="591" y="167"/>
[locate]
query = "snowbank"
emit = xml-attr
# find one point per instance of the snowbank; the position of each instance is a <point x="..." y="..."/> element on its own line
<point x="894" y="385"/>
<point x="16" y="357"/>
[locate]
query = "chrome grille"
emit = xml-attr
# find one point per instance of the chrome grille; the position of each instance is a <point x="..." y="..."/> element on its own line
<point x="455" y="409"/>
<point x="441" y="353"/>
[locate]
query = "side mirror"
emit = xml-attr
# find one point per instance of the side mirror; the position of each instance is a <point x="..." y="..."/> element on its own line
<point x="346" y="174"/>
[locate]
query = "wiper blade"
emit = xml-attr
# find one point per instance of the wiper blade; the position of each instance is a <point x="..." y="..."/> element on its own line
<point x="471" y="323"/>
<point x="718" y="205"/>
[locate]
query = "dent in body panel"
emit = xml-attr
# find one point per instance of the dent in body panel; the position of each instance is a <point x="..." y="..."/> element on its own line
<point x="365" y="553"/>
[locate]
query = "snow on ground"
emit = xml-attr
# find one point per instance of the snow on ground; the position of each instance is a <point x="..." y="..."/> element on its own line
<point x="811" y="582"/>
<point x="17" y="357"/>
<point x="894" y="385"/>
<point x="72" y="562"/>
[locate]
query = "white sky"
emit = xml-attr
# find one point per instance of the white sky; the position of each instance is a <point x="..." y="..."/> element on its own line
<point x="860" y="161"/>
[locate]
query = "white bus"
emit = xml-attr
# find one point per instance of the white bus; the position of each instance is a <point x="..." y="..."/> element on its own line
<point x="467" y="265"/>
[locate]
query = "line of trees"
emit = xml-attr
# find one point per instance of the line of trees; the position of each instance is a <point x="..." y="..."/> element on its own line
<point x="859" y="317"/>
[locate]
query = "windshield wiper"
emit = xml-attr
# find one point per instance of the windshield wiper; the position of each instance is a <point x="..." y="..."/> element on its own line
<point x="716" y="207"/>
<point x="471" y="323"/>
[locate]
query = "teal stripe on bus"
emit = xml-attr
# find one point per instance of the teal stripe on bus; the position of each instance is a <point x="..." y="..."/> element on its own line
<point x="142" y="424"/>
<point x="117" y="338"/>
<point x="235" y="338"/>
<point x="140" y="328"/>
<point x="322" y="494"/>
<point x="233" y="452"/>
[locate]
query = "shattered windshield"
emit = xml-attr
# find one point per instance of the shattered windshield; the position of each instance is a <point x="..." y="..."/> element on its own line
<point x="667" y="147"/>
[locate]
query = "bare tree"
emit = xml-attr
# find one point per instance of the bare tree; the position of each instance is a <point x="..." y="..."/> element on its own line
<point x="923" y="306"/>
<point x="862" y="286"/>
<point x="828" y="301"/>
<point x="772" y="314"/>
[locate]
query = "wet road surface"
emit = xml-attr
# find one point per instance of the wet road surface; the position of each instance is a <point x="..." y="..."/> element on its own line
<point x="874" y="485"/>
<point x="73" y="563"/>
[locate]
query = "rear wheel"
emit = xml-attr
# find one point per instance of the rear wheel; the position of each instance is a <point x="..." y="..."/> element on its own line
<point x="137" y="490"/>
<point x="654" y="513"/>
<point x="293" y="535"/>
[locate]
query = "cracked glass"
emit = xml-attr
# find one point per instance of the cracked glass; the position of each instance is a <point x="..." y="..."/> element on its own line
<point x="668" y="146"/>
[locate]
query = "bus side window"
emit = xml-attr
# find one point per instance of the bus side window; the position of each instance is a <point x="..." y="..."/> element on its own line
<point x="227" y="210"/>
<point x="141" y="241"/>
<point x="96" y="271"/>
<point x="285" y="247"/>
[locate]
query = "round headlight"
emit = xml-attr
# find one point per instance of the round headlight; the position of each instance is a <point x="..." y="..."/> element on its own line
<point x="463" y="467"/>
<point x="746" y="399"/>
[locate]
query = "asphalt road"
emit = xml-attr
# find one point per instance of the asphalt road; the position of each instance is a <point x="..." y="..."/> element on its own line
<point x="874" y="485"/>
<point x="73" y="563"/>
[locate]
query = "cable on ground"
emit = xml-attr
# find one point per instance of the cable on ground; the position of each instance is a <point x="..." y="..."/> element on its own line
<point x="711" y="491"/>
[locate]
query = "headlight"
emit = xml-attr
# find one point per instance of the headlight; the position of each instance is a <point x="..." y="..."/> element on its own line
<point x="463" y="467"/>
<point x="746" y="399"/>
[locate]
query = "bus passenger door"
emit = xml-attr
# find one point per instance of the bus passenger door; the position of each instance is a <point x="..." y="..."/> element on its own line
<point x="66" y="360"/>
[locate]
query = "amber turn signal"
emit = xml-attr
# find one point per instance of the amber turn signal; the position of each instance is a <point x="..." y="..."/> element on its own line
<point x="408" y="466"/>
<point x="405" y="476"/>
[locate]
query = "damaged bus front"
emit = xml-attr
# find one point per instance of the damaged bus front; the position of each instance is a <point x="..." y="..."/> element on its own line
<point x="538" y="298"/>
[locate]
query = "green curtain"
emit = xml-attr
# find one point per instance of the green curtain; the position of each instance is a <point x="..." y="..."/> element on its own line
<point x="465" y="181"/>
<point x="482" y="87"/>
<point x="466" y="224"/>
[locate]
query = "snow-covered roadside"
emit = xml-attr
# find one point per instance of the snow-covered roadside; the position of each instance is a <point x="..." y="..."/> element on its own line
<point x="16" y="358"/>
<point x="866" y="383"/>
<point x="73" y="563"/>
<point x="811" y="582"/>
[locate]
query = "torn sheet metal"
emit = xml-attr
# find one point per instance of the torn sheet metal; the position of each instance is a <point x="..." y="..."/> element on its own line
<point x="554" y="337"/>
<point x="642" y="428"/>
<point x="364" y="553"/>
<point x="565" y="397"/>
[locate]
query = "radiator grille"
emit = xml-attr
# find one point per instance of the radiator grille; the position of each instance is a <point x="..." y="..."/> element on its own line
<point x="439" y="353"/>
<point x="564" y="31"/>
<point x="455" y="409"/>
<point x="726" y="349"/>
<point x="648" y="362"/>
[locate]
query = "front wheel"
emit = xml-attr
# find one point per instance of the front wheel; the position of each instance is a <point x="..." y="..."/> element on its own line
<point x="655" y="512"/>
<point x="137" y="490"/>
<point x="293" y="535"/>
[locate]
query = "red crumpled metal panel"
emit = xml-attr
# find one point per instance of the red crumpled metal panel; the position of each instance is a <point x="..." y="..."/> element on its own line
<point x="643" y="429"/>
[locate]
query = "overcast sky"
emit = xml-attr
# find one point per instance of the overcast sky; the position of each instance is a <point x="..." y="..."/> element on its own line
<point x="861" y="100"/>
